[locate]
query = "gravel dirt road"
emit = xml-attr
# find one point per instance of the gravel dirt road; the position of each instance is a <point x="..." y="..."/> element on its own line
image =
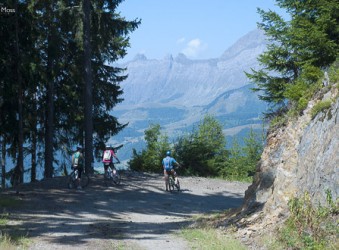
<point x="137" y="214"/>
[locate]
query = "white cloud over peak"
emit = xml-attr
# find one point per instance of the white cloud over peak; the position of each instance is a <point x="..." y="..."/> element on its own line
<point x="194" y="48"/>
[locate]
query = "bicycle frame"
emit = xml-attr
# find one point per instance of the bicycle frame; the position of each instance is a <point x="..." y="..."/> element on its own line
<point x="173" y="182"/>
<point x="113" y="175"/>
<point x="73" y="176"/>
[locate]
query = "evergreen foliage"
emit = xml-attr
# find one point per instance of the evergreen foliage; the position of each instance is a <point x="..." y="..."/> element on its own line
<point x="298" y="52"/>
<point x="201" y="152"/>
<point x="150" y="159"/>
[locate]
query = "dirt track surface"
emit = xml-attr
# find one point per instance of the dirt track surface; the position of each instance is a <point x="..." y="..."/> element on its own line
<point x="137" y="214"/>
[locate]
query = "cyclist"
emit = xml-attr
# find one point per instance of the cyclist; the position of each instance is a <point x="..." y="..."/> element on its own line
<point x="167" y="164"/>
<point x="107" y="158"/>
<point x="77" y="164"/>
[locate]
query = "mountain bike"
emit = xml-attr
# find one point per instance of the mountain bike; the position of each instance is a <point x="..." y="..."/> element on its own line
<point x="73" y="176"/>
<point x="112" y="176"/>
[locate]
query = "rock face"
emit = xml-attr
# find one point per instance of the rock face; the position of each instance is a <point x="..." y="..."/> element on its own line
<point x="301" y="156"/>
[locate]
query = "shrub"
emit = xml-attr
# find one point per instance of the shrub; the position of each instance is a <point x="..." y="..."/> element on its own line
<point x="310" y="227"/>
<point x="334" y="72"/>
<point x="320" y="107"/>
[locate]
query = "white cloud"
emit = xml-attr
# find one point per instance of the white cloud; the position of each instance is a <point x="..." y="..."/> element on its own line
<point x="181" y="40"/>
<point x="194" y="48"/>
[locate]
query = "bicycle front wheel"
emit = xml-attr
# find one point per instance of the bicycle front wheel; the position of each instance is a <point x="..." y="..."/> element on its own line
<point x="71" y="181"/>
<point x="177" y="185"/>
<point x="84" y="181"/>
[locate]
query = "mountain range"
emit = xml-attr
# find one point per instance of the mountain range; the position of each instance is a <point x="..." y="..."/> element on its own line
<point x="176" y="92"/>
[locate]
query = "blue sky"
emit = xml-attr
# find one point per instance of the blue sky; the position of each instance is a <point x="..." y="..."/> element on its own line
<point x="201" y="29"/>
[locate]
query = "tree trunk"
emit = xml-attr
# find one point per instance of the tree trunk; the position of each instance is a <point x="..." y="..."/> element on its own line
<point x="88" y="102"/>
<point x="3" y="163"/>
<point x="20" y="160"/>
<point x="49" y="122"/>
<point x="49" y="129"/>
<point x="34" y="142"/>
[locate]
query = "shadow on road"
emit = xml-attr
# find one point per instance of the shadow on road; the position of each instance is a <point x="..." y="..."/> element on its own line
<point x="138" y="208"/>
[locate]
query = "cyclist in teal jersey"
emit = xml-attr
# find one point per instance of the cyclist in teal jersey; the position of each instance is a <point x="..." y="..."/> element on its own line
<point x="77" y="163"/>
<point x="168" y="165"/>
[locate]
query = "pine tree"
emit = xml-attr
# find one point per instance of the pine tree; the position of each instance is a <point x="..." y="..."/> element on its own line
<point x="309" y="40"/>
<point x="42" y="57"/>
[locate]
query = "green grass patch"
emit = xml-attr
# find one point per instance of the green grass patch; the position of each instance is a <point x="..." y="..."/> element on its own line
<point x="3" y="220"/>
<point x="8" y="202"/>
<point x="320" y="107"/>
<point x="9" y="241"/>
<point x="13" y="243"/>
<point x="240" y="178"/>
<point x="211" y="239"/>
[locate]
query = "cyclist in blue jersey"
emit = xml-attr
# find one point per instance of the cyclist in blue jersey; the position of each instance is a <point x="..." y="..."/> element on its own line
<point x="168" y="166"/>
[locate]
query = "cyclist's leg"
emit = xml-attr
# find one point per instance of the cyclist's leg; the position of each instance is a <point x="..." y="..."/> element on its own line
<point x="80" y="169"/>
<point x="111" y="165"/>
<point x="166" y="179"/>
<point x="105" y="169"/>
<point x="174" y="174"/>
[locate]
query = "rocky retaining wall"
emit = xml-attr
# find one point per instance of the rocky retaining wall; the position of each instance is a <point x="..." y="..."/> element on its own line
<point x="301" y="156"/>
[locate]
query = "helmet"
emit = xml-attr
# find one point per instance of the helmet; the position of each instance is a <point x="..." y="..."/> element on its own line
<point x="108" y="146"/>
<point x="79" y="147"/>
<point x="168" y="153"/>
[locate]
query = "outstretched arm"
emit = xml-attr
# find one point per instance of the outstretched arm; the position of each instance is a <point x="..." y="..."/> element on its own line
<point x="116" y="158"/>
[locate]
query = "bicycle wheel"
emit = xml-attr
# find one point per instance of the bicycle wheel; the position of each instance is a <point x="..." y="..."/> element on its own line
<point x="171" y="183"/>
<point x="116" y="178"/>
<point x="177" y="185"/>
<point x="71" y="181"/>
<point x="84" y="180"/>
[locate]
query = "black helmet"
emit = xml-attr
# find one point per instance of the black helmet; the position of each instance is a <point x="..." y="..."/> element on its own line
<point x="168" y="153"/>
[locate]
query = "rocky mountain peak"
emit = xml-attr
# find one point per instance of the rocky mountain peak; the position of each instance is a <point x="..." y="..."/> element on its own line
<point x="251" y="41"/>
<point x="188" y="82"/>
<point x="140" y="57"/>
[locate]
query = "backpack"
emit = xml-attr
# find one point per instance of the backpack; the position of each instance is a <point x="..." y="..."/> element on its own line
<point x="168" y="163"/>
<point x="107" y="155"/>
<point x="76" y="159"/>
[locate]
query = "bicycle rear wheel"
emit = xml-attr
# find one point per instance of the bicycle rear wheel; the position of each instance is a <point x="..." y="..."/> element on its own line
<point x="171" y="183"/>
<point x="116" y="178"/>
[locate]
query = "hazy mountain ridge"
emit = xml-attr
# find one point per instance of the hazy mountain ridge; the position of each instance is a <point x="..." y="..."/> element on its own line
<point x="181" y="81"/>
<point x="177" y="92"/>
